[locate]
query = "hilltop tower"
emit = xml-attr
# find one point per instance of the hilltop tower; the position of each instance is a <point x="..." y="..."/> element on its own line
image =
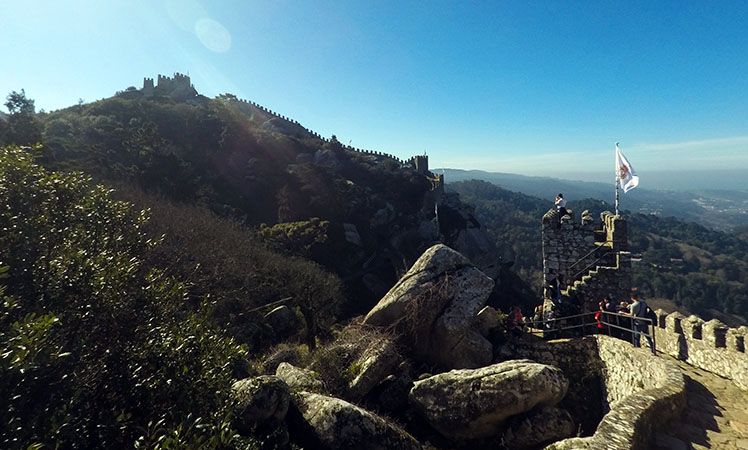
<point x="592" y="258"/>
<point x="422" y="164"/>
<point x="147" y="85"/>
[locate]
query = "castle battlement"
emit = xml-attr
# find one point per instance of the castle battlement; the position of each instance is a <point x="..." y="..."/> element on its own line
<point x="590" y="256"/>
<point x="418" y="163"/>
<point x="711" y="346"/>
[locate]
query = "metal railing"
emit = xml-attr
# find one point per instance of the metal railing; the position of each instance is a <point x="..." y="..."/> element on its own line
<point x="623" y="324"/>
<point x="608" y="251"/>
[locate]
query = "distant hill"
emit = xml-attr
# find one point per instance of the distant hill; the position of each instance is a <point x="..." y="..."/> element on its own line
<point x="720" y="209"/>
<point x="695" y="268"/>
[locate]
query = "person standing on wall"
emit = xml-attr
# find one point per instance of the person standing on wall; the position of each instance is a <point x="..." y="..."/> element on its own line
<point x="561" y="205"/>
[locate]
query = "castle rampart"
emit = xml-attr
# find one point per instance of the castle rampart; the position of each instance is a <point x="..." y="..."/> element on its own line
<point x="639" y="391"/>
<point x="591" y="257"/>
<point x="180" y="87"/>
<point x="711" y="346"/>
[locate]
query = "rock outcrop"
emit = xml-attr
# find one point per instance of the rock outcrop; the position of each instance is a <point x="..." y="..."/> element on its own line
<point x="540" y="426"/>
<point x="468" y="404"/>
<point x="259" y="399"/>
<point x="336" y="424"/>
<point x="373" y="366"/>
<point x="299" y="379"/>
<point x="487" y="321"/>
<point x="434" y="305"/>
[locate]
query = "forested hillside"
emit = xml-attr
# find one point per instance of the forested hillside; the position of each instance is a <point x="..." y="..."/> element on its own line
<point x="699" y="270"/>
<point x="147" y="242"/>
<point x="297" y="191"/>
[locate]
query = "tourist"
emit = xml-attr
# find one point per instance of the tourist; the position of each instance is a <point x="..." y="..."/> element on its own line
<point x="639" y="309"/>
<point x="601" y="319"/>
<point x="515" y="321"/>
<point x="550" y="316"/>
<point x="537" y="319"/>
<point x="561" y="205"/>
<point x="555" y="286"/>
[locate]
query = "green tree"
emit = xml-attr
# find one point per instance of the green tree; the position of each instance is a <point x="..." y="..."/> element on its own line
<point x="103" y="351"/>
<point x="23" y="128"/>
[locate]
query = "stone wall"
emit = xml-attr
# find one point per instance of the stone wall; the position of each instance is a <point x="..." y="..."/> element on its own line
<point x="639" y="391"/>
<point x="168" y="85"/>
<point x="592" y="257"/>
<point x="711" y="346"/>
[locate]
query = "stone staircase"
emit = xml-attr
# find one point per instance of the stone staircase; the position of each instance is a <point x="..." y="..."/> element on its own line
<point x="598" y="279"/>
<point x="716" y="416"/>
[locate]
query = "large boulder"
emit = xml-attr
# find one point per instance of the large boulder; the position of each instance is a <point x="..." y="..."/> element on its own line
<point x="372" y="367"/>
<point x="336" y="424"/>
<point x="434" y="305"/>
<point x="259" y="399"/>
<point x="391" y="395"/>
<point x="487" y="321"/>
<point x="539" y="427"/>
<point x="299" y="379"/>
<point x="474" y="403"/>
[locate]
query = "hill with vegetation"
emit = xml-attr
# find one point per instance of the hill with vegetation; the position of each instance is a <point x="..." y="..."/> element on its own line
<point x="715" y="208"/>
<point x="682" y="265"/>
<point x="149" y="241"/>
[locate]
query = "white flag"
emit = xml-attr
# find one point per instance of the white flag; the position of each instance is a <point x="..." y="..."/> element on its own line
<point x="625" y="175"/>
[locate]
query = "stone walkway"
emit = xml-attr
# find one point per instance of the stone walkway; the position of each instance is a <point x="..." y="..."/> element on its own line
<point x="716" y="416"/>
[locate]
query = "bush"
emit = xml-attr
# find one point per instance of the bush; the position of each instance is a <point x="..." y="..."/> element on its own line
<point x="337" y="362"/>
<point x="99" y="350"/>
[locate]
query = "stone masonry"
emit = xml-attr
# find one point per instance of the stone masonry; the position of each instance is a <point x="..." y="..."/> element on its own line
<point x="710" y="346"/>
<point x="640" y="392"/>
<point x="592" y="258"/>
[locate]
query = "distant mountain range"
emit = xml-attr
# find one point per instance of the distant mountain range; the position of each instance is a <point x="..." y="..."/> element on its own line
<point x="720" y="209"/>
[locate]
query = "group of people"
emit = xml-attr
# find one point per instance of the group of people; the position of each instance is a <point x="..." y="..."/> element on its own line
<point x="609" y="320"/>
<point x="637" y="309"/>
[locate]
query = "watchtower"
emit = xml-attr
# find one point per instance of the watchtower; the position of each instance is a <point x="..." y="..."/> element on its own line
<point x="592" y="258"/>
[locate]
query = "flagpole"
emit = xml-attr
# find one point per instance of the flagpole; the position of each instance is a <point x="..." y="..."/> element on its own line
<point x="616" y="178"/>
<point x="616" y="195"/>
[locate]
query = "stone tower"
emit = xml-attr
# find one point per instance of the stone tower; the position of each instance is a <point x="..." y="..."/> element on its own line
<point x="592" y="258"/>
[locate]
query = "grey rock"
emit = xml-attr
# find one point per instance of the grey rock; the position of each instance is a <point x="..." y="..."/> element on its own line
<point x="259" y="399"/>
<point x="337" y="424"/>
<point x="479" y="247"/>
<point x="436" y="302"/>
<point x="474" y="403"/>
<point x="376" y="362"/>
<point x="391" y="395"/>
<point x="541" y="426"/>
<point x="487" y="320"/>
<point x="278" y="125"/>
<point x="454" y="342"/>
<point x="434" y="263"/>
<point x="326" y="158"/>
<point x="299" y="379"/>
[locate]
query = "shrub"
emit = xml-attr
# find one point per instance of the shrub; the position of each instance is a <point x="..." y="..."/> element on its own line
<point x="98" y="348"/>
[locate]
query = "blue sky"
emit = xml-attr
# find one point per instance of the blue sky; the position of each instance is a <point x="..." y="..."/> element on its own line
<point x="539" y="88"/>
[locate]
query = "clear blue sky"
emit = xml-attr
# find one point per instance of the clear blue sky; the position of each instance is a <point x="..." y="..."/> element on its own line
<point x="513" y="86"/>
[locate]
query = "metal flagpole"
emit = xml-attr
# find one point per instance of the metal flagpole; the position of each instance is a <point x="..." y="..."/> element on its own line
<point x="616" y="194"/>
<point x="616" y="180"/>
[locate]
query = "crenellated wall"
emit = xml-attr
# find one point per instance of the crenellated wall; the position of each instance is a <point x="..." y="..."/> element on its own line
<point x="180" y="86"/>
<point x="711" y="346"/>
<point x="639" y="391"/>
<point x="591" y="256"/>
<point x="419" y="163"/>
